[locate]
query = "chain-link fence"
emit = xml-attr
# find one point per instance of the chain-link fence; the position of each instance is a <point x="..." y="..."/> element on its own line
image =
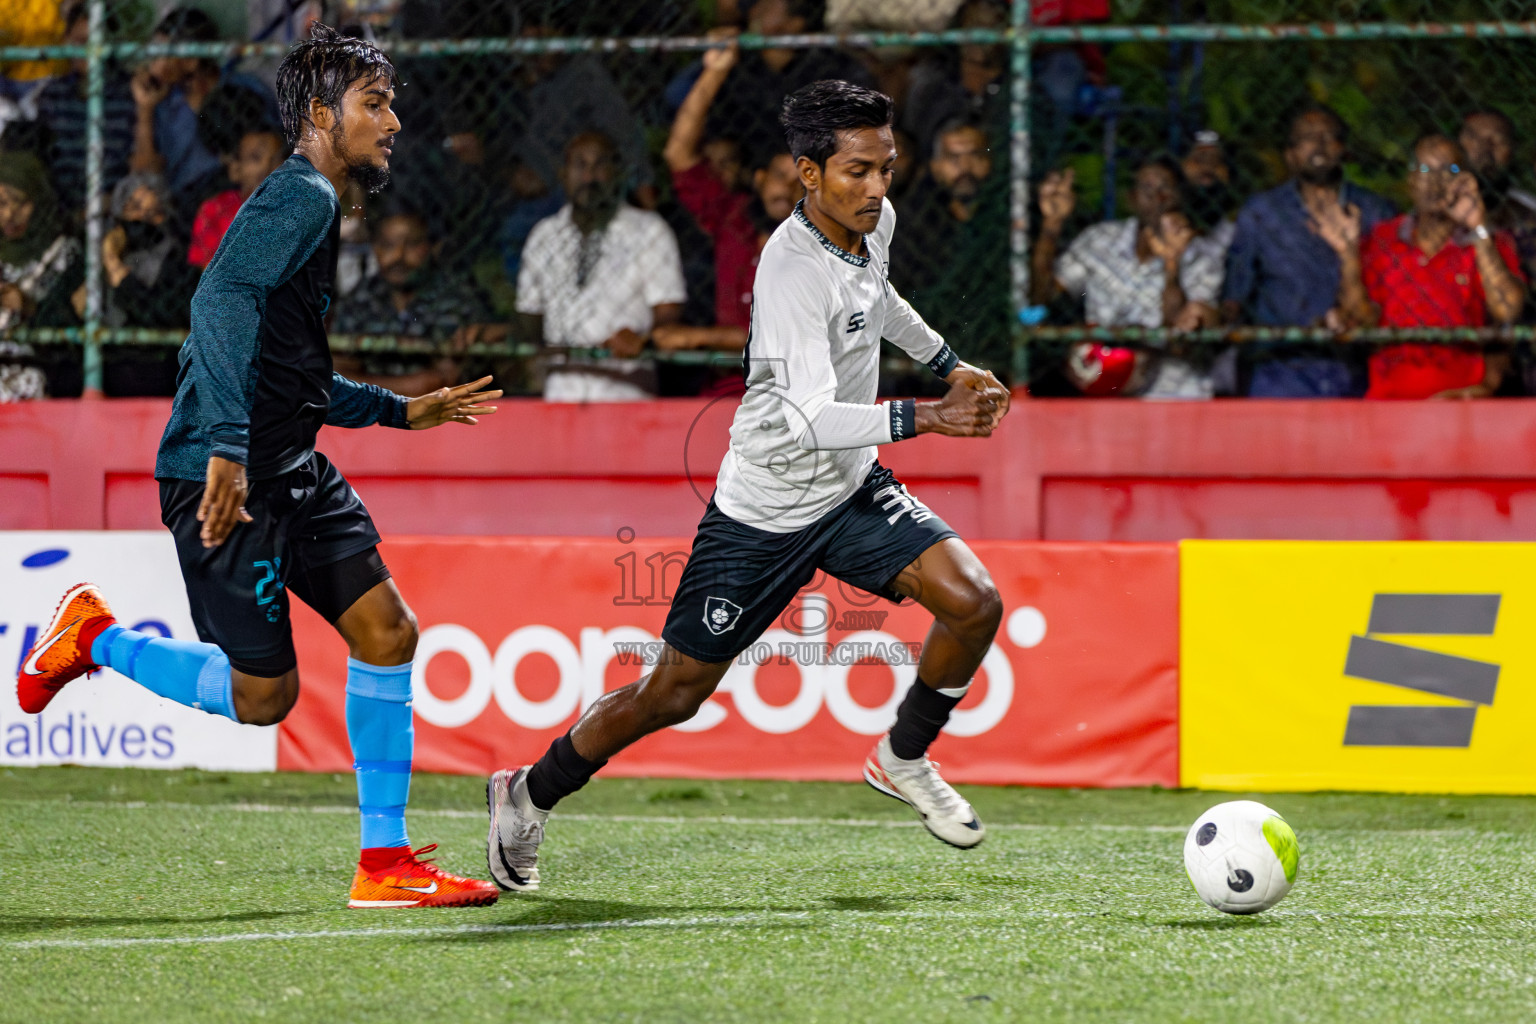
<point x="1172" y="199"/>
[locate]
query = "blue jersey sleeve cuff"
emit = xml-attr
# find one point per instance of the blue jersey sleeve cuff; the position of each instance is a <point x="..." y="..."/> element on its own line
<point x="394" y="414"/>
<point x="903" y="418"/>
<point x="943" y="363"/>
<point x="231" y="443"/>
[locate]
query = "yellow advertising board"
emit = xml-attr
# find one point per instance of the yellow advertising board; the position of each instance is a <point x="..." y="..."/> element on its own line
<point x="1398" y="667"/>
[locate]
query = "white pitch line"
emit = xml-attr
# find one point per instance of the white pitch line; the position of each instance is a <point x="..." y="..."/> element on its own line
<point x="357" y="933"/>
<point x="725" y="819"/>
<point x="626" y="819"/>
<point x="836" y="919"/>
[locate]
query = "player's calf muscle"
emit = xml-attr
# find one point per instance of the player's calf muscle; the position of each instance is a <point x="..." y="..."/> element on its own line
<point x="664" y="698"/>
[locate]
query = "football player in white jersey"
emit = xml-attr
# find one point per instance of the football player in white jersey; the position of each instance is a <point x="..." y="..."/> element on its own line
<point x="800" y="490"/>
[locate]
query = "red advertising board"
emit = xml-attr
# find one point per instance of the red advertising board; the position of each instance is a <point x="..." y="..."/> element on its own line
<point x="520" y="634"/>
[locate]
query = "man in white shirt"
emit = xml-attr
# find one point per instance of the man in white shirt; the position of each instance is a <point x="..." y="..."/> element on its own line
<point x="1148" y="270"/>
<point x="800" y="490"/>
<point x="599" y="274"/>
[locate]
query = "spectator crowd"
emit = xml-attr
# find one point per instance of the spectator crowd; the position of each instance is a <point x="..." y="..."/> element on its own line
<point x="536" y="198"/>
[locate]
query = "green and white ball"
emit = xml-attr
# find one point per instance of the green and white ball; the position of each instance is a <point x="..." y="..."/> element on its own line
<point x="1242" y="857"/>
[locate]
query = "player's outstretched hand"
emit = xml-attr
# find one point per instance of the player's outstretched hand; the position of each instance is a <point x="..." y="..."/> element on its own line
<point x="974" y="405"/>
<point x="223" y="504"/>
<point x="451" y="405"/>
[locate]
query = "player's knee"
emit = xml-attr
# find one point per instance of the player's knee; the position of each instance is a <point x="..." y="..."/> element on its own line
<point x="261" y="701"/>
<point x="977" y="609"/>
<point x="388" y="640"/>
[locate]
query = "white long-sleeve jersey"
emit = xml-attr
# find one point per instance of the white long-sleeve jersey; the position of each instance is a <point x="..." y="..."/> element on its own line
<point x="805" y="434"/>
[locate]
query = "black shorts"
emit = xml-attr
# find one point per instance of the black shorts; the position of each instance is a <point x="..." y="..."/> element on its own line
<point x="309" y="534"/>
<point x="739" y="578"/>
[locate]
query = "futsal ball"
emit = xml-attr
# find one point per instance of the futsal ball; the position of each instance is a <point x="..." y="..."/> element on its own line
<point x="1242" y="857"/>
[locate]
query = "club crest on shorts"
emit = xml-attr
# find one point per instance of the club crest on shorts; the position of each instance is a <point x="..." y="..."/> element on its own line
<point x="720" y="614"/>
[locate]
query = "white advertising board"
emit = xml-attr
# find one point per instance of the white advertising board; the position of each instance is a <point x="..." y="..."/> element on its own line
<point x="106" y="719"/>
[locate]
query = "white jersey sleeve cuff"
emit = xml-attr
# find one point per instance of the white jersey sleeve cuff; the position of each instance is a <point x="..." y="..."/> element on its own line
<point x="841" y="425"/>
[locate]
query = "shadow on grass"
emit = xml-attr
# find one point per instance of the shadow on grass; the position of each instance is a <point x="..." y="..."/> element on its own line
<point x="575" y="913"/>
<point x="26" y="924"/>
<point x="875" y="904"/>
<point x="1223" y="923"/>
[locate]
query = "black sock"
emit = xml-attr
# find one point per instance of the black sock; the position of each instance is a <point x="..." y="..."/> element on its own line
<point x="559" y="773"/>
<point x="922" y="714"/>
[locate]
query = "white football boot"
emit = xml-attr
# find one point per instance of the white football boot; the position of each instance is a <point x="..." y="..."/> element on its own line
<point x="517" y="829"/>
<point x="945" y="813"/>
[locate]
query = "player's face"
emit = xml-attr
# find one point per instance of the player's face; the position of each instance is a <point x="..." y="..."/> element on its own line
<point x="15" y="212"/>
<point x="856" y="178"/>
<point x="365" y="132"/>
<point x="778" y="186"/>
<point x="402" y="248"/>
<point x="961" y="163"/>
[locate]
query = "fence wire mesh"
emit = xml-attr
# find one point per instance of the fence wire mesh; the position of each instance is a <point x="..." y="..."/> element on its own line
<point x="580" y="188"/>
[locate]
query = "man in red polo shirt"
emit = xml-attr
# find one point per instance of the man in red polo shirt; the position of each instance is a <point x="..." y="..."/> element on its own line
<point x="1439" y="266"/>
<point x="738" y="222"/>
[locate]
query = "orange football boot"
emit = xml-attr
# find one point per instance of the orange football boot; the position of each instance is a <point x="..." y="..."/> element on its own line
<point x="414" y="882"/>
<point x="63" y="650"/>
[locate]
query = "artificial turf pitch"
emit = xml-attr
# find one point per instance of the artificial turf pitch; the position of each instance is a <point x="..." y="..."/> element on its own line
<point x="190" y="896"/>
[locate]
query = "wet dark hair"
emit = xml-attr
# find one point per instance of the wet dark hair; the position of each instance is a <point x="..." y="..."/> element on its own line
<point x="815" y="115"/>
<point x="325" y="65"/>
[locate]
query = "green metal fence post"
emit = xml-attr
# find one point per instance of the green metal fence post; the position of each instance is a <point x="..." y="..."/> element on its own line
<point x="94" y="148"/>
<point x="1018" y="206"/>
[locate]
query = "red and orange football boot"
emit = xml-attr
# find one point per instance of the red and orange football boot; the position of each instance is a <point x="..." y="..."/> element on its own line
<point x="414" y="882"/>
<point x="63" y="650"/>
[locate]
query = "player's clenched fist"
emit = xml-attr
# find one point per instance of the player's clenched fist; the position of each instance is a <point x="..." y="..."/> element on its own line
<point x="975" y="404"/>
<point x="982" y="380"/>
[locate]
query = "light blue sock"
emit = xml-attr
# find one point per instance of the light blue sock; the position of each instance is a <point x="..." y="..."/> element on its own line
<point x="186" y="671"/>
<point x="382" y="735"/>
